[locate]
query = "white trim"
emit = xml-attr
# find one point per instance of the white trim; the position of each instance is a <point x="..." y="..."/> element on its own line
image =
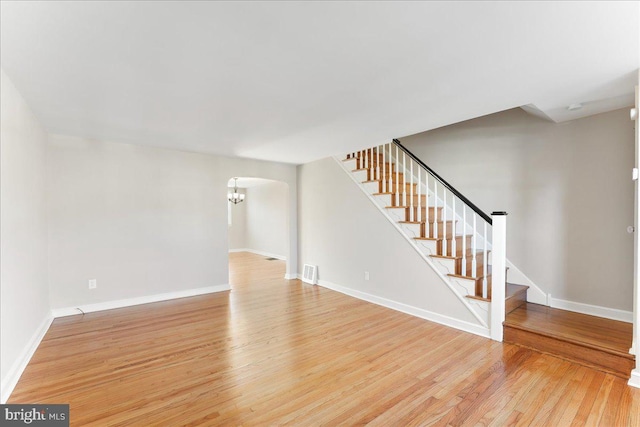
<point x="291" y="276"/>
<point x="427" y="259"/>
<point x="593" y="310"/>
<point x="408" y="309"/>
<point x="634" y="380"/>
<point x="257" y="252"/>
<point x="11" y="379"/>
<point x="110" y="305"/>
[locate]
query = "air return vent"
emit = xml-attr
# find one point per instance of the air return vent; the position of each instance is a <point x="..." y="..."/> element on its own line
<point x="310" y="274"/>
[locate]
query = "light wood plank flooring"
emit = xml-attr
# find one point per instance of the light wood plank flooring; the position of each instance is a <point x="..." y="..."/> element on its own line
<point x="274" y="352"/>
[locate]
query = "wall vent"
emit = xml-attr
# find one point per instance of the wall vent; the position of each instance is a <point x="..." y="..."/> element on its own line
<point x="310" y="274"/>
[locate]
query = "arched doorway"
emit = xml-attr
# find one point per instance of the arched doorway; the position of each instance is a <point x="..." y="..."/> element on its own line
<point x="260" y="223"/>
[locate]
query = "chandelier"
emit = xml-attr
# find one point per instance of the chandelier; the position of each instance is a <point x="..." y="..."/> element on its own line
<point x="236" y="197"/>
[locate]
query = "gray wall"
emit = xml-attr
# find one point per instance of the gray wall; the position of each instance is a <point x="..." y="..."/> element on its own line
<point x="24" y="294"/>
<point x="343" y="233"/>
<point x="267" y="219"/>
<point x="140" y="220"/>
<point x="567" y="188"/>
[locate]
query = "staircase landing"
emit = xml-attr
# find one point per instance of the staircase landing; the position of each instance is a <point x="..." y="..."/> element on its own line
<point x="596" y="342"/>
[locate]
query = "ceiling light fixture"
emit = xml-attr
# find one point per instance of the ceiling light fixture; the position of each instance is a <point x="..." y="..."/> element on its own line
<point x="236" y="197"/>
<point x="574" y="107"/>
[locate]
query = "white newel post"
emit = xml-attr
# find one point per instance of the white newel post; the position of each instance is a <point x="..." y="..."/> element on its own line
<point x="498" y="276"/>
<point x="635" y="374"/>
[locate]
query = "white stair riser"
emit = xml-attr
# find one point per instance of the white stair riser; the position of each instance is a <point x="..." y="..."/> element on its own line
<point x="384" y="200"/>
<point x="351" y="164"/>
<point x="445" y="265"/>
<point x="410" y="230"/>
<point x="361" y="175"/>
<point x="469" y="286"/>
<point x="371" y="187"/>
<point x="427" y="247"/>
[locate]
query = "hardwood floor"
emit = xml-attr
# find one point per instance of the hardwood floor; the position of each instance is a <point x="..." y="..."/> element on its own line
<point x="273" y="352"/>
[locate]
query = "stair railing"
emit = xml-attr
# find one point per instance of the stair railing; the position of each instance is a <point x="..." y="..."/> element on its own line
<point x="455" y="208"/>
<point x="446" y="215"/>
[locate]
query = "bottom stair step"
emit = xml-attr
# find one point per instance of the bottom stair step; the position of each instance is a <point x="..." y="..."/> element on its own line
<point x="515" y="296"/>
<point x="599" y="343"/>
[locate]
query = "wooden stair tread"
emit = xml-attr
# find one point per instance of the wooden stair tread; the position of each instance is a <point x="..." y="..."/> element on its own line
<point x="460" y="276"/>
<point x="478" y="298"/>
<point x="591" y="331"/>
<point x="447" y="256"/>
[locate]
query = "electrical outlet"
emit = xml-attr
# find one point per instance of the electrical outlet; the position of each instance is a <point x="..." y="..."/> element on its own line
<point x="93" y="283"/>
<point x="366" y="275"/>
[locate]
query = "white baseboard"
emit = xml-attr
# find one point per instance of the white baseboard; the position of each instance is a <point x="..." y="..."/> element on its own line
<point x="288" y="276"/>
<point x="634" y="380"/>
<point x="408" y="309"/>
<point x="109" y="305"/>
<point x="11" y="379"/>
<point x="593" y="310"/>
<point x="257" y="252"/>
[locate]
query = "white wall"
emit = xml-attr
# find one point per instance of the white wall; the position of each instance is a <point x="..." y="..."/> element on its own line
<point x="267" y="219"/>
<point x="238" y="214"/>
<point x="140" y="220"/>
<point x="567" y="188"/>
<point x="24" y="294"/>
<point x="343" y="233"/>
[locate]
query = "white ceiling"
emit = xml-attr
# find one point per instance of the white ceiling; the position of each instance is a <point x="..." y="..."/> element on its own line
<point x="297" y="81"/>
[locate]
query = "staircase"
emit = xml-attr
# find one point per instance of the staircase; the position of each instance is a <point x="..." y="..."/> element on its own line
<point x="437" y="234"/>
<point x="444" y="227"/>
<point x="454" y="237"/>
